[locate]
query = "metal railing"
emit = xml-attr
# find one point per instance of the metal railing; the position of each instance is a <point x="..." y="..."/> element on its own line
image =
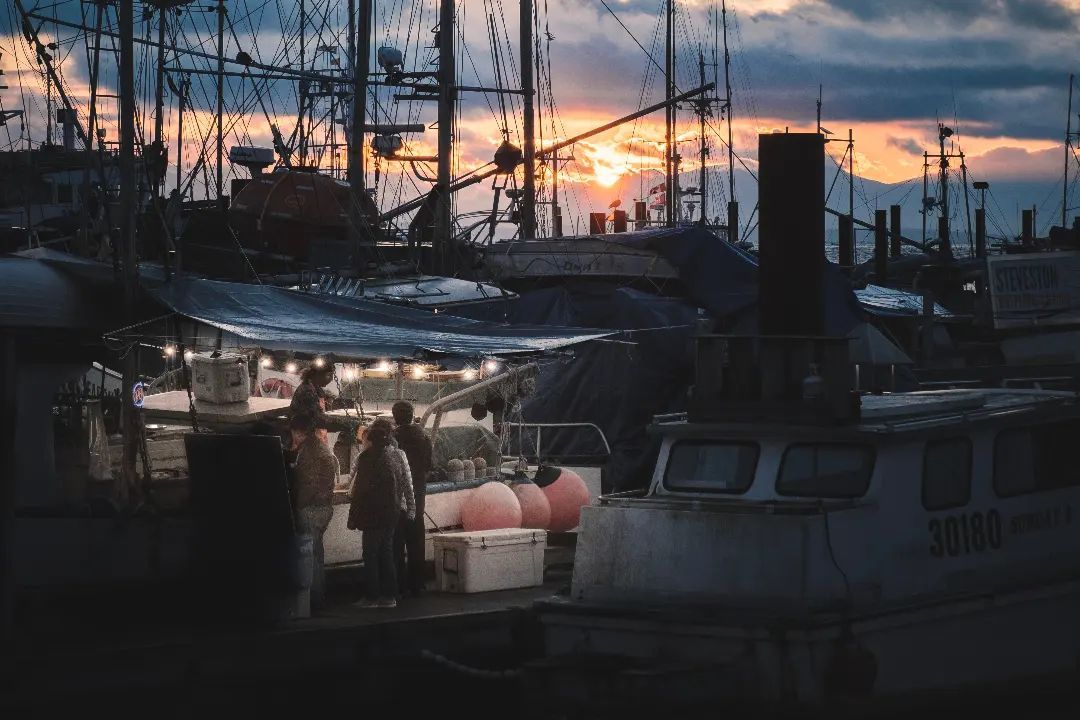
<point x="540" y="434"/>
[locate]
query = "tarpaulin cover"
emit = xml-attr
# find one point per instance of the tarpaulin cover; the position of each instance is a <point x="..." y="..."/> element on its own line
<point x="618" y="384"/>
<point x="279" y="319"/>
<point x="723" y="279"/>
<point x="40" y="295"/>
<point x="890" y="302"/>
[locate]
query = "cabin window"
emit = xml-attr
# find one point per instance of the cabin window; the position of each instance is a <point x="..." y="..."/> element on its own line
<point x="826" y="470"/>
<point x="1036" y="459"/>
<point x="946" y="480"/>
<point x="711" y="466"/>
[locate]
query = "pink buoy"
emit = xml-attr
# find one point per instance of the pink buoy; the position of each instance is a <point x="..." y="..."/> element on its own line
<point x="492" y="506"/>
<point x="566" y="494"/>
<point x="535" y="508"/>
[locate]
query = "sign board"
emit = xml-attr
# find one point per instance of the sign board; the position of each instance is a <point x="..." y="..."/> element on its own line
<point x="1034" y="289"/>
<point x="138" y="394"/>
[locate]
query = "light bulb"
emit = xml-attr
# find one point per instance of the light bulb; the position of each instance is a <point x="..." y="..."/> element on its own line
<point x="418" y="372"/>
<point x="491" y="366"/>
<point x="319" y="362"/>
<point x="469" y="374"/>
<point x="383" y="366"/>
<point x="170" y="351"/>
<point x="291" y="368"/>
<point x="266" y="362"/>
<point x="188" y="355"/>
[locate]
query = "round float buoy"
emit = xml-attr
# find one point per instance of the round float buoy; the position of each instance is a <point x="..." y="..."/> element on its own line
<point x="491" y="506"/>
<point x="455" y="470"/>
<point x="566" y="494"/>
<point x="535" y="508"/>
<point x="469" y="469"/>
<point x="481" y="467"/>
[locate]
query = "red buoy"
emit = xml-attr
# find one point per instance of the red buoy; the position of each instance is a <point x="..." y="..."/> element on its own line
<point x="566" y="493"/>
<point x="535" y="508"/>
<point x="492" y="506"/>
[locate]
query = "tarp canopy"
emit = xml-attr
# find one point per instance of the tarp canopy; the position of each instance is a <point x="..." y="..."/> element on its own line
<point x="275" y="318"/>
<point x="890" y="302"/>
<point x="723" y="279"/>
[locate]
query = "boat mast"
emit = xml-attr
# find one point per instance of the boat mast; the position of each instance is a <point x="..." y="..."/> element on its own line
<point x="359" y="57"/>
<point x="92" y="116"/>
<point x="159" y="103"/>
<point x="943" y="201"/>
<point x="221" y="96"/>
<point x="669" y="114"/>
<point x="704" y="150"/>
<point x="733" y="203"/>
<point x="528" y="194"/>
<point x="447" y="102"/>
<point x="128" y="209"/>
<point x="1068" y="157"/>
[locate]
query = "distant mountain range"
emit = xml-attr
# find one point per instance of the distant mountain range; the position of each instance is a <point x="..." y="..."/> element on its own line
<point x="1004" y="201"/>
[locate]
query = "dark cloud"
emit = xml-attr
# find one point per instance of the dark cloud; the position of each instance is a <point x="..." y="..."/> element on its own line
<point x="1048" y="15"/>
<point x="908" y="145"/>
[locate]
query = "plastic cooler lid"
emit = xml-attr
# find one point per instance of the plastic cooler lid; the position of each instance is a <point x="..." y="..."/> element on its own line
<point x="489" y="538"/>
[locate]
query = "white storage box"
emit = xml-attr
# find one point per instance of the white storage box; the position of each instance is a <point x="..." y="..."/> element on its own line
<point x="223" y="379"/>
<point x="470" y="562"/>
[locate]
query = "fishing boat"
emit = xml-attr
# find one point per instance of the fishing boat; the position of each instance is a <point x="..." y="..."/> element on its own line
<point x="925" y="542"/>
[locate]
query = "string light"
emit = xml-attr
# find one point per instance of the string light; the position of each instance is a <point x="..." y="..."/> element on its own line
<point x="383" y="366"/>
<point x="418" y="372"/>
<point x="266" y="362"/>
<point x="170" y="351"/>
<point x="291" y="368"/>
<point x="319" y="362"/>
<point x="491" y="366"/>
<point x="469" y="374"/>
<point x="188" y="355"/>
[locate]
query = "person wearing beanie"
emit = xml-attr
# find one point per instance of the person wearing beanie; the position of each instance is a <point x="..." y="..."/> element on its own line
<point x="409" y="539"/>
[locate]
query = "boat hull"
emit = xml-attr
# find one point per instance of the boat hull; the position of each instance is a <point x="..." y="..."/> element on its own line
<point x="600" y="654"/>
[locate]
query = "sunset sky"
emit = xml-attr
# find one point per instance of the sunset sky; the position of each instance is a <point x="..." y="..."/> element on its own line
<point x="995" y="70"/>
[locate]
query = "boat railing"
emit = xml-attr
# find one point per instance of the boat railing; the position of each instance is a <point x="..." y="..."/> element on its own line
<point x="539" y="440"/>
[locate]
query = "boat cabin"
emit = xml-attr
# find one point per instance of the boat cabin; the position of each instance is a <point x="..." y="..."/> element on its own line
<point x="924" y="495"/>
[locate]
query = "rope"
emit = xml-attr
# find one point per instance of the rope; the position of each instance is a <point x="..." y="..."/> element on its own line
<point x="466" y="670"/>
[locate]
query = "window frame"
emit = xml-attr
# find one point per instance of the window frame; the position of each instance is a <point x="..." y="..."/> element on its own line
<point x="970" y="471"/>
<point x="702" y="442"/>
<point x="869" y="448"/>
<point x="1030" y="430"/>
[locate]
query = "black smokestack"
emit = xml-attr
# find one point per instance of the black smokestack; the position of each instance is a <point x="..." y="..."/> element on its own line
<point x="791" y="235"/>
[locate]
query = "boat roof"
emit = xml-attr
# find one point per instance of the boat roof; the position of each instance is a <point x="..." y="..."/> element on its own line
<point x="900" y="412"/>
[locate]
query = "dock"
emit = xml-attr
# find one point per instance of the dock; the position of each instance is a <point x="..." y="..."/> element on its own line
<point x="127" y="652"/>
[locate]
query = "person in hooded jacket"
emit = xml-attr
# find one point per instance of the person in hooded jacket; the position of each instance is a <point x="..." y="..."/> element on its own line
<point x="381" y="491"/>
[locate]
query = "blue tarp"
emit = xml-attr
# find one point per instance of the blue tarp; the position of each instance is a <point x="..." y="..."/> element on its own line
<point x="890" y="302"/>
<point x="723" y="279"/>
<point x="279" y="319"/>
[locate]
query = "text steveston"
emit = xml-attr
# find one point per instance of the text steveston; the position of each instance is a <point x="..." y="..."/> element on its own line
<point x="1034" y="286"/>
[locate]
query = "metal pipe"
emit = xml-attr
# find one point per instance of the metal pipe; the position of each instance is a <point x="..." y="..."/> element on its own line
<point x="447" y="104"/>
<point x="220" y="99"/>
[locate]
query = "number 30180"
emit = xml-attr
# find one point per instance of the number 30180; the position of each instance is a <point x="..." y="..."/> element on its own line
<point x="965" y="533"/>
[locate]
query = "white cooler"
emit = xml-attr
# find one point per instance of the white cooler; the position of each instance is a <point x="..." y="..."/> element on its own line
<point x="470" y="562"/>
<point x="220" y="380"/>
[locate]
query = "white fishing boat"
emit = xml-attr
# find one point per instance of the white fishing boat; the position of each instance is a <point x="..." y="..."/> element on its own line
<point x="796" y="554"/>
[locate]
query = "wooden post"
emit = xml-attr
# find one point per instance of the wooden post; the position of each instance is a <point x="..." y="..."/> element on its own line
<point x="881" y="248"/>
<point x="980" y="232"/>
<point x="845" y="241"/>
<point x="597" y="223"/>
<point x="895" y="231"/>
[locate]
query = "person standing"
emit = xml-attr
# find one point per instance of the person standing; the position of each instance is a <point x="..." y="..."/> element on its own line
<point x="409" y="539"/>
<point x="382" y="489"/>
<point x="315" y="473"/>
<point x="312" y="399"/>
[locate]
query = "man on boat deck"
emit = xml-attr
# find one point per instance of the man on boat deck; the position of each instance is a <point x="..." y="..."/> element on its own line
<point x="311" y="399"/>
<point x="409" y="538"/>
